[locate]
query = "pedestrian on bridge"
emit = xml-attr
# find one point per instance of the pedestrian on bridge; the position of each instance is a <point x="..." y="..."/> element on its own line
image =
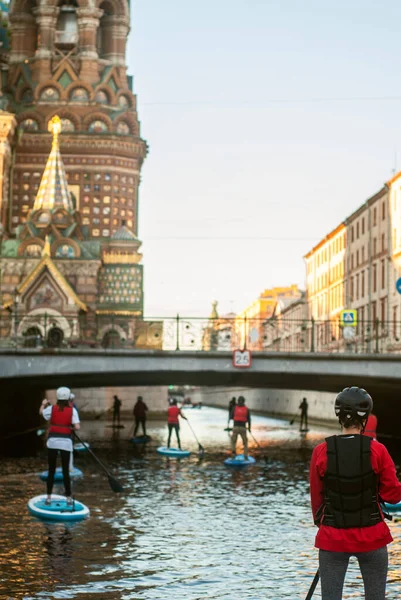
<point x="350" y="475"/>
<point x="63" y="418"/>
<point x="173" y="423"/>
<point x="140" y="410"/>
<point x="241" y="416"/>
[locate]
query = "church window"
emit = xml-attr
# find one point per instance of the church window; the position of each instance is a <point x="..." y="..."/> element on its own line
<point x="66" y="35"/>
<point x="107" y="177"/>
<point x="95" y="232"/>
<point x="106" y="200"/>
<point x="79" y="94"/>
<point x="49" y="94"/>
<point x="87" y="176"/>
<point x="87" y="187"/>
<point x="106" y="232"/>
<point x="123" y="128"/>
<point x="101" y="97"/>
<point x="96" y="187"/>
<point x="98" y="176"/>
<point x="25" y="175"/>
<point x="67" y="125"/>
<point x="98" y="126"/>
<point x="29" y="125"/>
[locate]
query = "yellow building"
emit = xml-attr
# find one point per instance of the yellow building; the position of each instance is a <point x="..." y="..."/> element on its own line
<point x="249" y="323"/>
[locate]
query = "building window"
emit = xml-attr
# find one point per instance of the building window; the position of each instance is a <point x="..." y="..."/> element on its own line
<point x="357" y="258"/>
<point x="363" y="254"/>
<point x="383" y="242"/>
<point x="357" y="287"/>
<point x="383" y="211"/>
<point x="383" y="274"/>
<point x="352" y="289"/>
<point x="374" y="246"/>
<point x="357" y="231"/>
<point x="352" y="234"/>
<point x="363" y="284"/>
<point x="352" y="262"/>
<point x="374" y="216"/>
<point x="374" y="312"/>
<point x="374" y="277"/>
<point x="395" y="327"/>
<point x="383" y="310"/>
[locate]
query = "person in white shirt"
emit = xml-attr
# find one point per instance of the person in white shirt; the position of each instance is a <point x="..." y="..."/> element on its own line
<point x="63" y="419"/>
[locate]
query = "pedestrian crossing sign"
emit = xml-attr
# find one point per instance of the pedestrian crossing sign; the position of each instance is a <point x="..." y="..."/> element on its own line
<point x="349" y="318"/>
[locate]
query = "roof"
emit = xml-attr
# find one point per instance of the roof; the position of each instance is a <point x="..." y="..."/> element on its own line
<point x="123" y="234"/>
<point x="53" y="191"/>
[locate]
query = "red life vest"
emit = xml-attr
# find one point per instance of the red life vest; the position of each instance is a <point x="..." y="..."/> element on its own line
<point x="172" y="415"/>
<point x="60" y="422"/>
<point x="241" y="414"/>
<point x="371" y="426"/>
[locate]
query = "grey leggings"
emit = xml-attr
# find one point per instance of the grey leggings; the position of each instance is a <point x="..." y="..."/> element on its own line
<point x="333" y="567"/>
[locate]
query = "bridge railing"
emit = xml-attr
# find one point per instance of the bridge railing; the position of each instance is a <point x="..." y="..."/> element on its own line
<point x="197" y="333"/>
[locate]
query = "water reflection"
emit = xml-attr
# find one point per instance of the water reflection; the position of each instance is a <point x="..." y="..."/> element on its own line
<point x="189" y="528"/>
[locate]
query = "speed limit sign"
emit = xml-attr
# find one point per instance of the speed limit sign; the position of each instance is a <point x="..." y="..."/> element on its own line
<point x="242" y="359"/>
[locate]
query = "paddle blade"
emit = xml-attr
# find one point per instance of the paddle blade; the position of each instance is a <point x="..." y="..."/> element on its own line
<point x="292" y="421"/>
<point x="115" y="485"/>
<point x="201" y="450"/>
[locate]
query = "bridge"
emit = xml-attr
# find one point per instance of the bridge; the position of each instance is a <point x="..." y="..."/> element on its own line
<point x="49" y="368"/>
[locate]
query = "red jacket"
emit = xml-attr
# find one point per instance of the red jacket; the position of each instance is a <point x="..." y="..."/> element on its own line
<point x="371" y="426"/>
<point x="354" y="539"/>
<point x="173" y="414"/>
<point x="241" y="414"/>
<point x="60" y="422"/>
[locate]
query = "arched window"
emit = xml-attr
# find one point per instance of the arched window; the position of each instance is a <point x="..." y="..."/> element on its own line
<point x="66" y="35"/>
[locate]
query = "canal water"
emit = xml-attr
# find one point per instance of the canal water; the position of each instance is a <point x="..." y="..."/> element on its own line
<point x="187" y="529"/>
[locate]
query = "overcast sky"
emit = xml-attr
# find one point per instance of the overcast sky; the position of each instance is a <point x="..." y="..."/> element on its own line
<point x="268" y="121"/>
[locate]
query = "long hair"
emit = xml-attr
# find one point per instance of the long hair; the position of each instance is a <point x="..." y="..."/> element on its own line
<point x="62" y="404"/>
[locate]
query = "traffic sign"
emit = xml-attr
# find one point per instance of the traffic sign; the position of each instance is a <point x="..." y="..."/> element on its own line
<point x="398" y="285"/>
<point x="349" y="333"/>
<point x="242" y="359"/>
<point x="349" y="318"/>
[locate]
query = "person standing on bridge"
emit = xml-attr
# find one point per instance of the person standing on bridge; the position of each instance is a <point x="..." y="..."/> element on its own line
<point x="241" y="416"/>
<point x="350" y="475"/>
<point x="140" y="410"/>
<point x="304" y="415"/>
<point x="63" y="419"/>
<point x="116" y="411"/>
<point x="173" y="414"/>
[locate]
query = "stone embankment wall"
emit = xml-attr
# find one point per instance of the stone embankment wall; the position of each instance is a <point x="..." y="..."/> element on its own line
<point x="94" y="401"/>
<point x="272" y="401"/>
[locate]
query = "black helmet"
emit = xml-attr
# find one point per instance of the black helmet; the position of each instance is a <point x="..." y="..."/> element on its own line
<point x="353" y="403"/>
<point x="241" y="400"/>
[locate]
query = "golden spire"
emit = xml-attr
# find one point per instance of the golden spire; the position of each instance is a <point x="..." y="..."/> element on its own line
<point x="46" y="247"/>
<point x="53" y="191"/>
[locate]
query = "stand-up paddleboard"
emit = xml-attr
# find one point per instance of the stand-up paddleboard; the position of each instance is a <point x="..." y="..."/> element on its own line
<point x="392" y="507"/>
<point x="81" y="447"/>
<point x="58" y="476"/>
<point x="173" y="452"/>
<point x="239" y="461"/>
<point x="58" y="510"/>
<point x="141" y="439"/>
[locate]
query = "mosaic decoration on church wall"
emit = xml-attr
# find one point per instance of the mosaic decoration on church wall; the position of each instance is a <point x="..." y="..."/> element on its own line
<point x="33" y="251"/>
<point x="123" y="128"/>
<point x="98" y="127"/>
<point x="123" y="102"/>
<point x="49" y="94"/>
<point x="79" y="95"/>
<point x="67" y="125"/>
<point x="45" y="296"/>
<point x="29" y="125"/>
<point x="65" y="251"/>
<point x="102" y="97"/>
<point x="121" y="285"/>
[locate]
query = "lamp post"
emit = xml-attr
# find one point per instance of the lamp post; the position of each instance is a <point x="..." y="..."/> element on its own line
<point x="16" y="302"/>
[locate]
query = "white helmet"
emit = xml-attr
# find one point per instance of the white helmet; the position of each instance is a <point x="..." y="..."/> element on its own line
<point x="63" y="393"/>
<point x="72" y="396"/>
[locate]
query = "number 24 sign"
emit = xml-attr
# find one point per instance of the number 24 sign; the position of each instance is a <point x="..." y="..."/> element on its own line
<point x="242" y="359"/>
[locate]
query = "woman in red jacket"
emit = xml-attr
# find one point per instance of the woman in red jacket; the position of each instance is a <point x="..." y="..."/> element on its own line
<point x="350" y="475"/>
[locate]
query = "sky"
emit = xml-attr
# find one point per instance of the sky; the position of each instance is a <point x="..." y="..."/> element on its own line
<point x="268" y="123"/>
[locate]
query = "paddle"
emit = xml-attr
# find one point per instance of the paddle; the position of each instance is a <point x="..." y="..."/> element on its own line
<point x="313" y="585"/>
<point x="201" y="448"/>
<point x="292" y="420"/>
<point x="259" y="446"/>
<point x="39" y="431"/>
<point x="114" y="484"/>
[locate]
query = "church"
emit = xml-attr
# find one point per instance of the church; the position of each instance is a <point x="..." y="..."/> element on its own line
<point x="70" y="160"/>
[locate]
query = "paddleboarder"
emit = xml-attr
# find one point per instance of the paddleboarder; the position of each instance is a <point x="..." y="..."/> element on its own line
<point x="304" y="415"/>
<point x="241" y="416"/>
<point x="173" y="414"/>
<point x="116" y="410"/>
<point x="231" y="407"/>
<point x="63" y="418"/>
<point x="347" y="474"/>
<point x="140" y="410"/>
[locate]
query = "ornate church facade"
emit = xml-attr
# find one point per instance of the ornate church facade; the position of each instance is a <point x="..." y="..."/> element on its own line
<point x="70" y="162"/>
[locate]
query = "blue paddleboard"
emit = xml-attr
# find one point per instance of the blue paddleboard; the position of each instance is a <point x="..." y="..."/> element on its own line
<point x="58" y="510"/>
<point x="141" y="439"/>
<point x="81" y="447"/>
<point x="392" y="507"/>
<point x="58" y="476"/>
<point x="174" y="452"/>
<point x="239" y="461"/>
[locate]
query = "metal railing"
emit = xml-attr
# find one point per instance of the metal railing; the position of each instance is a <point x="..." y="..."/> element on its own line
<point x="197" y="333"/>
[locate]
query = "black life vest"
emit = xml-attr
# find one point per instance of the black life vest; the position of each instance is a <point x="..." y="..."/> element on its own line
<point x="350" y="484"/>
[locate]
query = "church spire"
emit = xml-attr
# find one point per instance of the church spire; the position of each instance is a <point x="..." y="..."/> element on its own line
<point x="53" y="191"/>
